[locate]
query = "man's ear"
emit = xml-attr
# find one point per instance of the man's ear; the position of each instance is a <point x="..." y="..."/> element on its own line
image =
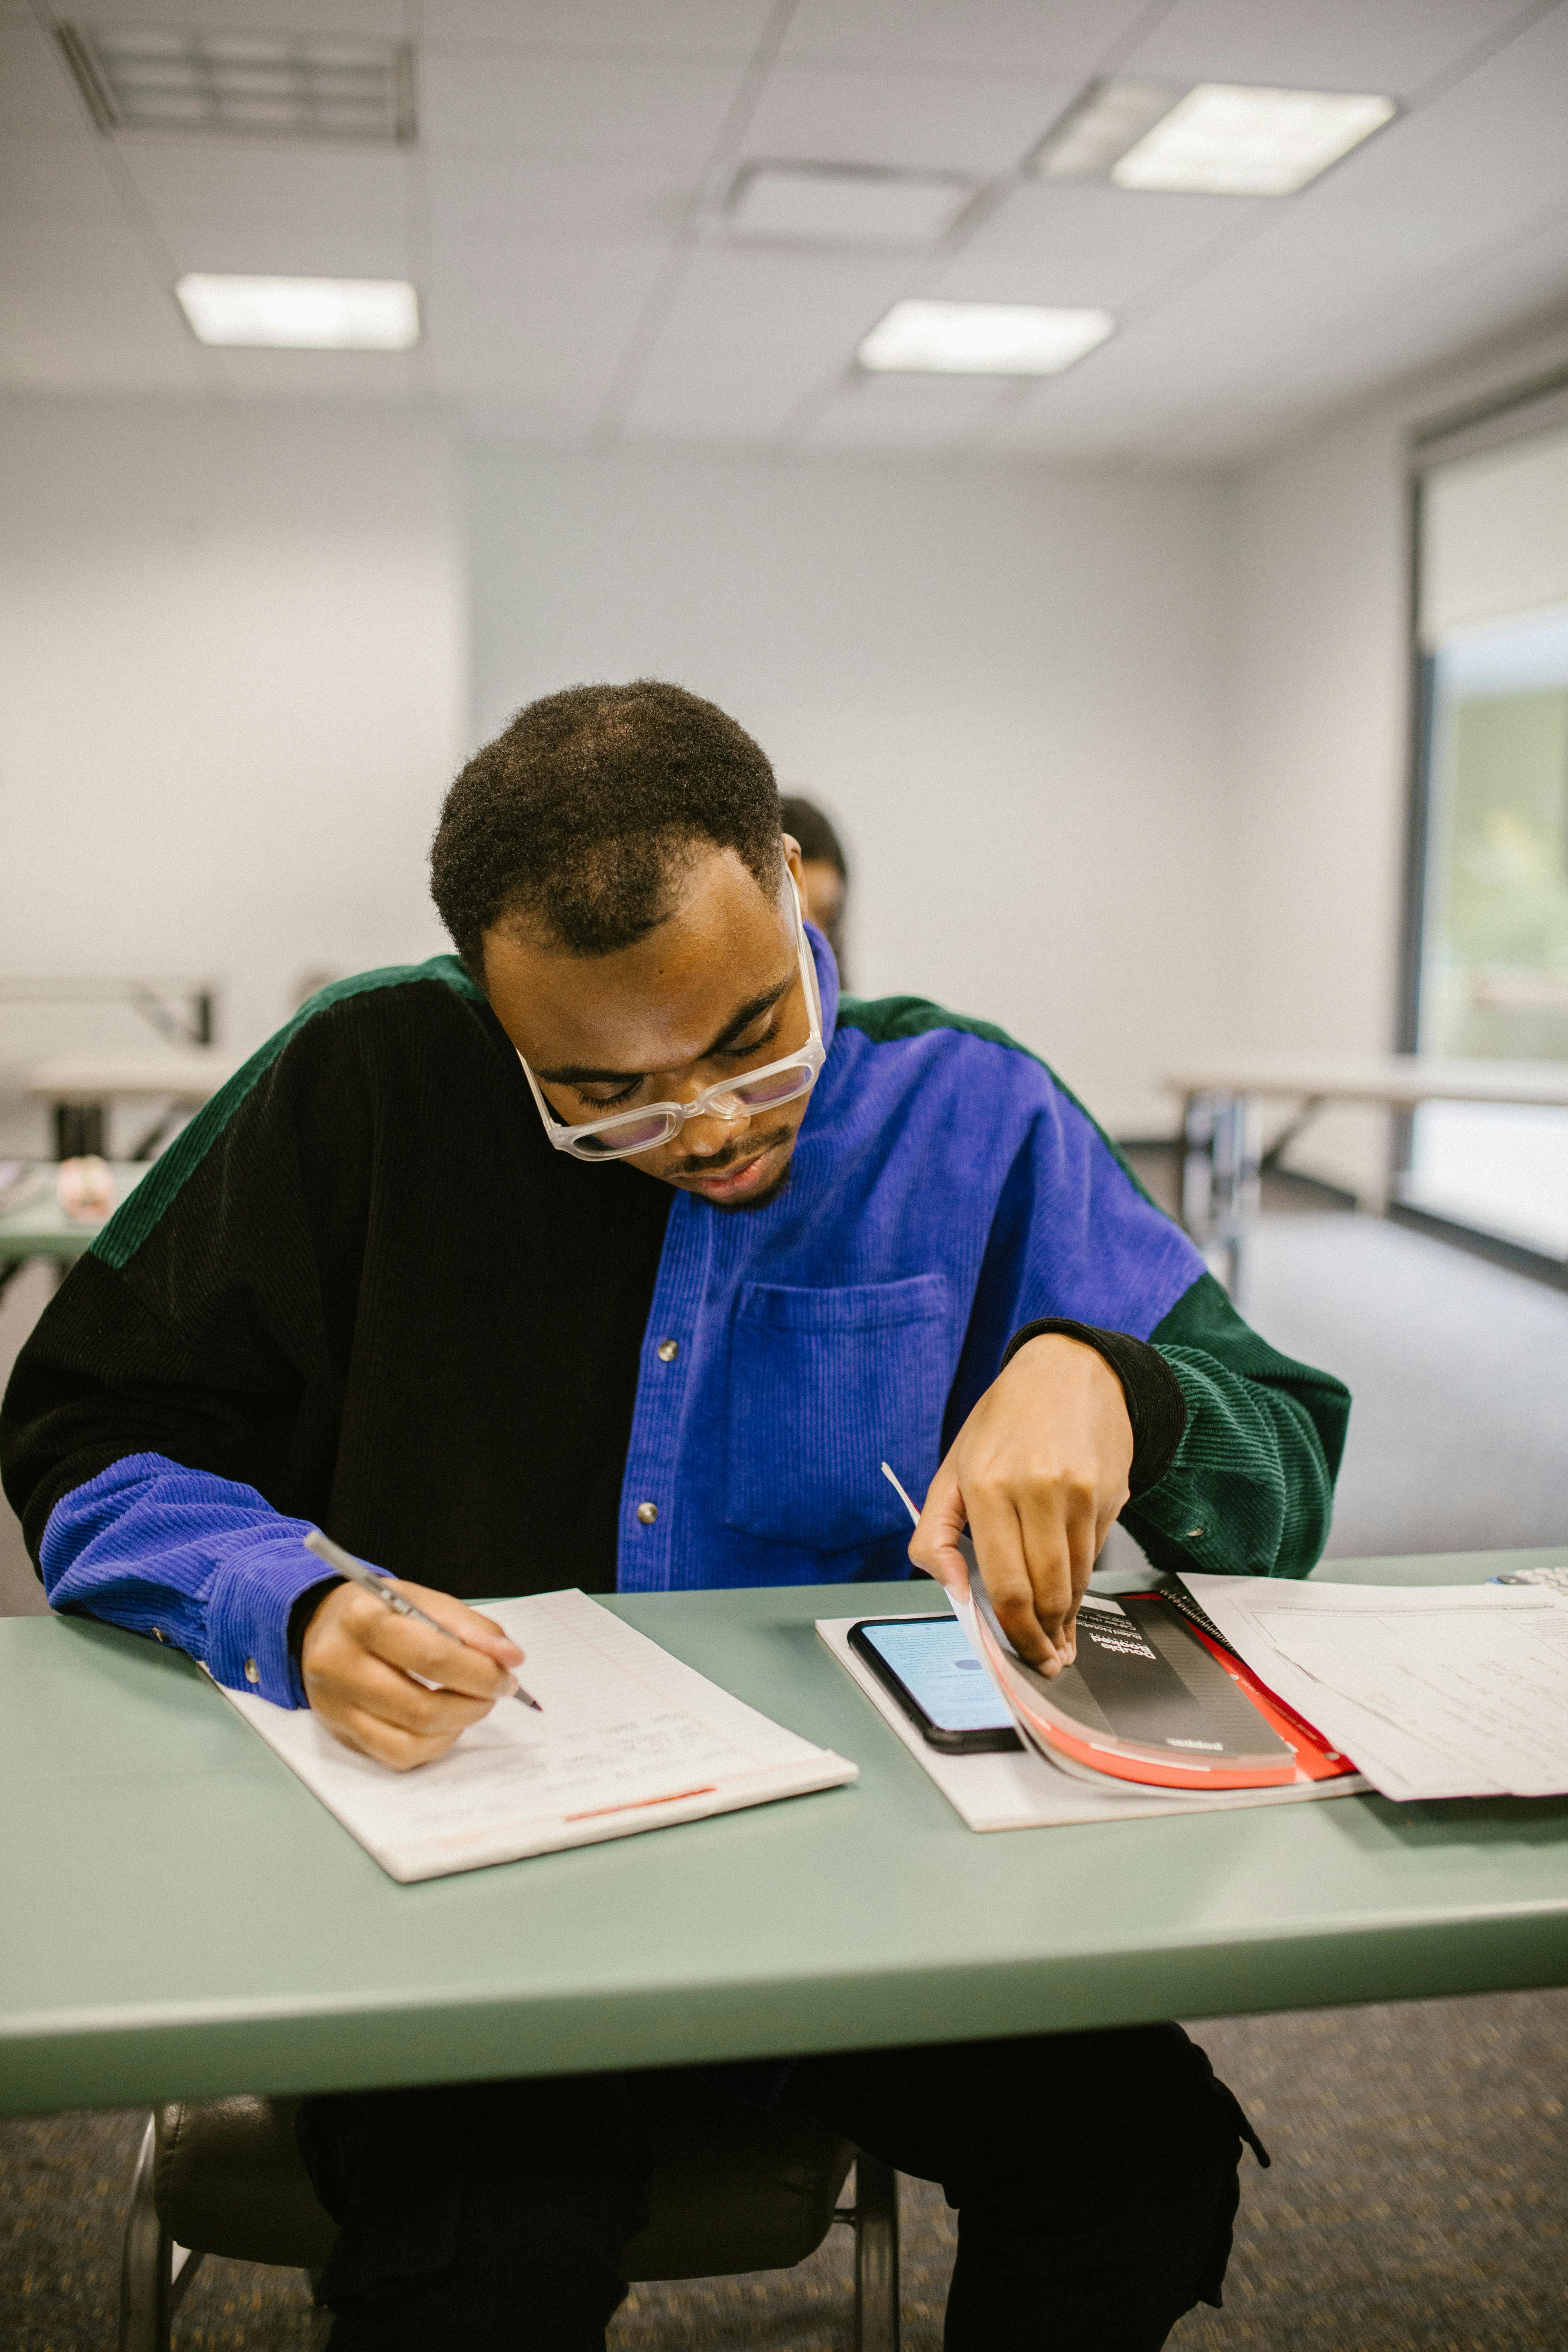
<point x="792" y="860"/>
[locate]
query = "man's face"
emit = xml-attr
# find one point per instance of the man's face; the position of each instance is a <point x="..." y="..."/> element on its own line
<point x="713" y="992"/>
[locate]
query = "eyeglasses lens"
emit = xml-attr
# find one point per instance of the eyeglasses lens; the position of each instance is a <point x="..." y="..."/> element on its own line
<point x="631" y="1135"/>
<point x="782" y="1085"/>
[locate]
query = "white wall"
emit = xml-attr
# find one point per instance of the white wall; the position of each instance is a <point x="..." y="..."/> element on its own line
<point x="1003" y="681"/>
<point x="232" y="690"/>
<point x="1316" y="697"/>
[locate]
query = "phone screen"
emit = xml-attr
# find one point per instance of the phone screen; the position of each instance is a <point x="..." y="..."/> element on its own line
<point x="941" y="1673"/>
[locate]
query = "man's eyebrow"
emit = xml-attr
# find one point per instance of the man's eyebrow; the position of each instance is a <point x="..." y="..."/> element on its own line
<point x="578" y="1074"/>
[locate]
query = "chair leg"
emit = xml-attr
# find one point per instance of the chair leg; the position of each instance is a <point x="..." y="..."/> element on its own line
<point x="153" y="2271"/>
<point x="146" y="2263"/>
<point x="876" y="2256"/>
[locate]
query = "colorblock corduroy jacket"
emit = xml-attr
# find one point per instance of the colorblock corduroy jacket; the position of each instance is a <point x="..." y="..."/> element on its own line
<point x="361" y="1291"/>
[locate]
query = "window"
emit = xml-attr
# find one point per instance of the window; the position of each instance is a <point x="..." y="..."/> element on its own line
<point x="1490" y="933"/>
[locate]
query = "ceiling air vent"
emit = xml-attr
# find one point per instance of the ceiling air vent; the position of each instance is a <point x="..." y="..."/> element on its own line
<point x="243" y="85"/>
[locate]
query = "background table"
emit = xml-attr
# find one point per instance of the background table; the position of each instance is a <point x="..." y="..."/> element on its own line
<point x="182" y="1917"/>
<point x="38" y="1227"/>
<point x="79" y="1091"/>
<point x="1223" y="1154"/>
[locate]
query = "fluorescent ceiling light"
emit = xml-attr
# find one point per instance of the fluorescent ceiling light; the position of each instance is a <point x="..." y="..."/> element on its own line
<point x="251" y="84"/>
<point x="983" y="337"/>
<point x="1109" y="118"/>
<point x="1226" y="138"/>
<point x="306" y="314"/>
<point x="832" y="203"/>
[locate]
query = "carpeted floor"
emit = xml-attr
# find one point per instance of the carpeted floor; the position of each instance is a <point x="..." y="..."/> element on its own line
<point x="1418" y="2203"/>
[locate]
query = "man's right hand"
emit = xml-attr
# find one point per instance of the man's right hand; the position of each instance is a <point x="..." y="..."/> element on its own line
<point x="358" y="1658"/>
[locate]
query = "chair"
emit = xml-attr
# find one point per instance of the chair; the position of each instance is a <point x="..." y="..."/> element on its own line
<point x="734" y="2189"/>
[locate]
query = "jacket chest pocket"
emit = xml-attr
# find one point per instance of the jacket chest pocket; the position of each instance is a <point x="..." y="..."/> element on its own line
<point x="824" y="1385"/>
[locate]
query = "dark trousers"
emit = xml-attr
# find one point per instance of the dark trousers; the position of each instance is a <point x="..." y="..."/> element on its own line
<point x="1094" y="2175"/>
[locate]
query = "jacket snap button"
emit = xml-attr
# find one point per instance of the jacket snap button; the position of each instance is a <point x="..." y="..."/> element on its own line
<point x="667" y="1350"/>
<point x="252" y="1671"/>
<point x="648" y="1513"/>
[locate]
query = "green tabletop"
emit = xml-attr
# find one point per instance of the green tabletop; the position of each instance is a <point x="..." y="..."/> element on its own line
<point x="38" y="1227"/>
<point x="181" y="1917"/>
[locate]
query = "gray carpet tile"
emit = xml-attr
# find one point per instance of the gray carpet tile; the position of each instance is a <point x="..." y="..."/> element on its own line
<point x="1459" y="1371"/>
<point x="1418" y="2202"/>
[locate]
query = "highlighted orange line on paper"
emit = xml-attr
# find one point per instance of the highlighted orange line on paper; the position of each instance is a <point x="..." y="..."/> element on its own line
<point x="635" y="1804"/>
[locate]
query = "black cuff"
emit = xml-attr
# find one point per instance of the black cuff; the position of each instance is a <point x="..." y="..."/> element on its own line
<point x="305" y="1608"/>
<point x="1156" y="1406"/>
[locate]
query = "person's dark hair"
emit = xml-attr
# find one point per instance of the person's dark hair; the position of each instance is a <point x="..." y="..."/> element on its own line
<point x="815" y="835"/>
<point x="584" y="814"/>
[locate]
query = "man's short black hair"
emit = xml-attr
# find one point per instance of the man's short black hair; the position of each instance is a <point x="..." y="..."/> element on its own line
<point x="583" y="815"/>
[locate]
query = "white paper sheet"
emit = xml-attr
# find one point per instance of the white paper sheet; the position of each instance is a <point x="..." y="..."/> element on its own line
<point x="1435" y="1690"/>
<point x="1020" y="1791"/>
<point x="629" y="1739"/>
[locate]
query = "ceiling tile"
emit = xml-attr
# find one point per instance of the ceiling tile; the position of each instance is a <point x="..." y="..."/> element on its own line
<point x="1519" y="289"/>
<point x="1065" y="41"/>
<point x="689" y="28"/>
<point x="540" y="323"/>
<point x="79" y="308"/>
<point x="255" y="187"/>
<point x="37" y="93"/>
<point x="643" y="110"/>
<point x="930" y="121"/>
<point x="552" y="200"/>
<point x="760" y="331"/>
<point x="907" y="412"/>
<point x="385" y="19"/>
<point x="44" y="180"/>
<point x="321" y="375"/>
<point x="1391" y="46"/>
<point x="1084" y="244"/>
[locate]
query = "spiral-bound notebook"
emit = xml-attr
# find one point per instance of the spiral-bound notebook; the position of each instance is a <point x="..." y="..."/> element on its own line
<point x="627" y="1738"/>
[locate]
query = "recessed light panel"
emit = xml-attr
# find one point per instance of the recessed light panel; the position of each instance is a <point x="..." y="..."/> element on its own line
<point x="823" y="203"/>
<point x="983" y="337"/>
<point x="1228" y="139"/>
<point x="270" y="85"/>
<point x="303" y="314"/>
<point x="1109" y="118"/>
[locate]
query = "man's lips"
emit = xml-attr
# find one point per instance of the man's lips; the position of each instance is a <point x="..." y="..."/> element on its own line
<point x="734" y="1181"/>
<point x="737" y="1179"/>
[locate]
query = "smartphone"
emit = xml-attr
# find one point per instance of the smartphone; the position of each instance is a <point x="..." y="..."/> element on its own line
<point x="931" y="1669"/>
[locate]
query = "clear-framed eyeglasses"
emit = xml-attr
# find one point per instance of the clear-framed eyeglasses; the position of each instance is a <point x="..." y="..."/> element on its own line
<point x="628" y="1132"/>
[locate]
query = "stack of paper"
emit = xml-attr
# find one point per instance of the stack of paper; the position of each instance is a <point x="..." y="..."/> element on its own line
<point x="630" y="1738"/>
<point x="1435" y="1690"/>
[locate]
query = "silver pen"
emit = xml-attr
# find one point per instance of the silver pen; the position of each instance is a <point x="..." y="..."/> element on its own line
<point x="368" y="1581"/>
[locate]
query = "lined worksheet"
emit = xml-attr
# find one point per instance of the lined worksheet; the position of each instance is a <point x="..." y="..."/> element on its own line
<point x="627" y="1738"/>
<point x="1435" y="1690"/>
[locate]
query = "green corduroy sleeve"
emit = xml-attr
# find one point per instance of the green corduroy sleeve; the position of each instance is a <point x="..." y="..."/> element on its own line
<point x="1250" y="1487"/>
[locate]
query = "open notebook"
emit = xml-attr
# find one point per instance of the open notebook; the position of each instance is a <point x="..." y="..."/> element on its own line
<point x="629" y="1739"/>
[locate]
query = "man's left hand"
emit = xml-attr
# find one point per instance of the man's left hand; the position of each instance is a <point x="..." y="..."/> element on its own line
<point x="1039" y="1470"/>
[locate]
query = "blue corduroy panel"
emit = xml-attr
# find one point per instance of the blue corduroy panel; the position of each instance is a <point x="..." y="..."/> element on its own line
<point x="946" y="1190"/>
<point x="203" y="1561"/>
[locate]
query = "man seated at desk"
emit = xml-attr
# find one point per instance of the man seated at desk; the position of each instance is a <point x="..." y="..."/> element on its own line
<point x="617" y="1251"/>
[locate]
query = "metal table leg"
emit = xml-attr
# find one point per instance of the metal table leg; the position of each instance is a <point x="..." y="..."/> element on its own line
<point x="1236" y="1183"/>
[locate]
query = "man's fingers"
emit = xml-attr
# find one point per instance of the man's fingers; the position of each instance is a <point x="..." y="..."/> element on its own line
<point x="1059" y="1530"/>
<point x="1083" y="1547"/>
<point x="388" y="1743"/>
<point x="416" y="1649"/>
<point x="1005" y="1564"/>
<point x="934" y="1544"/>
<point x="386" y="1692"/>
<point x="470" y="1625"/>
